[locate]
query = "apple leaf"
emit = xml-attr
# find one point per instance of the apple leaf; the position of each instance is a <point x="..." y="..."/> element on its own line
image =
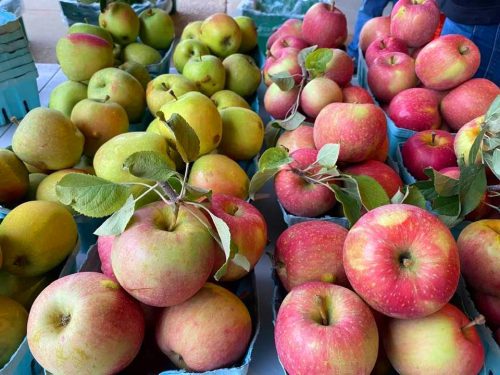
<point x="400" y="196"/>
<point x="272" y="133"/>
<point x="475" y="149"/>
<point x="372" y="194"/>
<point x="259" y="179"/>
<point x="415" y="197"/>
<point x="447" y="206"/>
<point x="328" y="155"/>
<point x="445" y="186"/>
<point x="351" y="206"/>
<point x="493" y="161"/>
<point x="187" y="143"/>
<point x="284" y="80"/>
<point x="274" y="157"/>
<point x="241" y="261"/>
<point x="427" y="189"/>
<point x="150" y="165"/>
<point x="316" y="61"/>
<point x="292" y="122"/>
<point x="491" y="143"/>
<point x="472" y="185"/>
<point x="302" y="56"/>
<point x="493" y="116"/>
<point x="117" y="222"/>
<point x="91" y="195"/>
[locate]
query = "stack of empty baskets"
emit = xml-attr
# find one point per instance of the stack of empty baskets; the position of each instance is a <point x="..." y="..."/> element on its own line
<point x="18" y="89"/>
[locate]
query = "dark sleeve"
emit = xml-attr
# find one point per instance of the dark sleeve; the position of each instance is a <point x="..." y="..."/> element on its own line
<point x="472" y="12"/>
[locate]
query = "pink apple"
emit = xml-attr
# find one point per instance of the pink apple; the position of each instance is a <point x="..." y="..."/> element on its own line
<point x="284" y="61"/>
<point x="381" y="153"/>
<point x="447" y="61"/>
<point x="415" y="52"/>
<point x="382" y="45"/>
<point x="441" y="343"/>
<point x="317" y="94"/>
<point x="465" y="139"/>
<point x="391" y="73"/>
<point x="356" y="94"/>
<point x="104" y="247"/>
<point x="374" y="28"/>
<point x="489" y="306"/>
<point x="298" y="196"/>
<point x="302" y="137"/>
<point x="415" y="109"/>
<point x="339" y="68"/>
<point x="291" y="27"/>
<point x="324" y="26"/>
<point x="402" y="261"/>
<point x="310" y="251"/>
<point x="85" y="323"/>
<point x="359" y="129"/>
<point x="468" y="101"/>
<point x="287" y="41"/>
<point x="380" y="172"/>
<point x="279" y="103"/>
<point x="325" y="329"/>
<point x="428" y="149"/>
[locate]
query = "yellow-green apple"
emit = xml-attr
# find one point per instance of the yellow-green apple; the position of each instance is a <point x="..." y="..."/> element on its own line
<point x="391" y="73"/>
<point x="380" y="172"/>
<point x="489" y="306"/>
<point x="415" y="21"/>
<point x="248" y="33"/>
<point x="104" y="248"/>
<point x="356" y="94"/>
<point x="13" y="319"/>
<point x="122" y="88"/>
<point x="242" y="74"/>
<point x="402" y="261"/>
<point x="201" y="114"/>
<point x="279" y="103"/>
<point x="156" y="28"/>
<point x="70" y="331"/>
<point x="377" y="27"/>
<point x="81" y="55"/>
<point x="415" y="109"/>
<point x="87" y="28"/>
<point x="287" y="41"/>
<point x="35" y="180"/>
<point x="301" y="137"/>
<point x="310" y="251"/>
<point x="99" y="121"/>
<point x="339" y="67"/>
<point x="286" y="60"/>
<point x="325" y="329"/>
<point x="468" y="101"/>
<point x="15" y="178"/>
<point x="325" y="25"/>
<point x="382" y="45"/>
<point x="226" y="98"/>
<point x="291" y="26"/>
<point x="206" y="72"/>
<point x="163" y="260"/>
<point x="221" y="34"/>
<point x="479" y="246"/>
<point x="141" y="53"/>
<point x="190" y="333"/>
<point x="165" y="88"/>
<point x="139" y="71"/>
<point x="428" y="149"/>
<point x="35" y="237"/>
<point x="360" y="129"/>
<point x="298" y="196"/>
<point x="444" y="342"/>
<point x="192" y="31"/>
<point x="53" y="147"/>
<point x="317" y="94"/>
<point x="447" y="61"/>
<point x="220" y="174"/>
<point x="65" y="96"/>
<point x="248" y="232"/>
<point x="121" y="21"/>
<point x="465" y="138"/>
<point x="23" y="290"/>
<point x="186" y="49"/>
<point x="242" y="133"/>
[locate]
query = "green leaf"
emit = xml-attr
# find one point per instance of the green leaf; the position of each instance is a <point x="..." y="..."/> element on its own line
<point x="273" y="158"/>
<point x="90" y="195"/>
<point x="491" y="143"/>
<point x="493" y="161"/>
<point x="150" y="165"/>
<point x="242" y="261"/>
<point x="292" y="122"/>
<point x="472" y="187"/>
<point x="351" y="206"/>
<point x="259" y="179"/>
<point x="371" y="192"/>
<point x="415" y="197"/>
<point x="447" y="206"/>
<point x="427" y="189"/>
<point x="400" y="196"/>
<point x="444" y="185"/>
<point x="272" y="133"/>
<point x="493" y="116"/>
<point x="117" y="222"/>
<point x="284" y="80"/>
<point x="302" y="56"/>
<point x="328" y="155"/>
<point x="194" y="193"/>
<point x="187" y="143"/>
<point x="473" y="153"/>
<point x="317" y="61"/>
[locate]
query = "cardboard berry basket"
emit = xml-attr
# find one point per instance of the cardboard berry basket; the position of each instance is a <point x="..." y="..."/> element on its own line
<point x="163" y="67"/>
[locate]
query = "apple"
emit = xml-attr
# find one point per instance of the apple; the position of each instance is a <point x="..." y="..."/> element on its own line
<point x="287" y="41"/>
<point x="186" y="49"/>
<point x="442" y="343"/>
<point x="248" y="33"/>
<point x="121" y="21"/>
<point x="310" y="251"/>
<point x="469" y="100"/>
<point x="298" y="196"/>
<point x="286" y="60"/>
<point x="23" y="290"/>
<point x="447" y="61"/>
<point x="415" y="21"/>
<point x="69" y="328"/>
<point x="480" y="255"/>
<point x="192" y="31"/>
<point x="104" y="247"/>
<point x="15" y="179"/>
<point x="226" y="98"/>
<point x="86" y="28"/>
<point x="465" y="139"/>
<point x="391" y="73"/>
<point x="383" y="45"/>
<point x="157" y="28"/>
<point x="382" y="153"/>
<point x="360" y="129"/>
<point x="221" y="34"/>
<point x="325" y="25"/>
<point x="206" y="72"/>
<point x="317" y="94"/>
<point x="248" y="232"/>
<point x="279" y="103"/>
<point x="65" y="96"/>
<point x="13" y="318"/>
<point x="301" y="137"/>
<point x="380" y="172"/>
<point x="489" y="306"/>
<point x="291" y="26"/>
<point x="402" y="261"/>
<point x="141" y="54"/>
<point x="415" y="109"/>
<point x="202" y="319"/>
<point x="138" y="71"/>
<point x="356" y="94"/>
<point x="325" y="329"/>
<point x="165" y="88"/>
<point x="374" y="28"/>
<point x="339" y="67"/>
<point x="242" y="74"/>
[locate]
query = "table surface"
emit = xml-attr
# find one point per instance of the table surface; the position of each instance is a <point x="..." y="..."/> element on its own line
<point x="264" y="359"/>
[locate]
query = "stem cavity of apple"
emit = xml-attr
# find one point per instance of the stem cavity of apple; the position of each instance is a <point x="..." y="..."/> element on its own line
<point x="323" y="310"/>
<point x="64" y="320"/>
<point x="479" y="320"/>
<point x="464" y="50"/>
<point x="433" y="139"/>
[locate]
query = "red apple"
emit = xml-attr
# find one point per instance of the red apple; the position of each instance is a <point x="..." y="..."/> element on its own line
<point x="380" y="172"/>
<point x="415" y="52"/>
<point x="104" y="247"/>
<point x="377" y="27"/>
<point x="381" y="153"/>
<point x="287" y="41"/>
<point x="447" y="61"/>
<point x="391" y="73"/>
<point x="402" y="261"/>
<point x="356" y="94"/>
<point x="382" y="45"/>
<point x="298" y="196"/>
<point x="291" y="27"/>
<point x="317" y="94"/>
<point x="339" y="68"/>
<point x="284" y="61"/>
<point x="489" y="306"/>
<point x="293" y="140"/>
<point x="360" y="129"/>
<point x="325" y="26"/>
<point x="279" y="103"/>
<point x="415" y="109"/>
<point x="468" y="101"/>
<point x="325" y="329"/>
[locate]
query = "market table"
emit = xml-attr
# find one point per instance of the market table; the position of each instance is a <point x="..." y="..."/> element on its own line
<point x="264" y="359"/>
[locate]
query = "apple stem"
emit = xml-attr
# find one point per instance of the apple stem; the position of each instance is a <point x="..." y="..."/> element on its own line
<point x="322" y="310"/>
<point x="407" y="262"/>
<point x="433" y="139"/>
<point x="14" y="120"/>
<point x="171" y="92"/>
<point x="479" y="320"/>
<point x="393" y="60"/>
<point x="332" y="5"/>
<point x="463" y="50"/>
<point x="149" y="12"/>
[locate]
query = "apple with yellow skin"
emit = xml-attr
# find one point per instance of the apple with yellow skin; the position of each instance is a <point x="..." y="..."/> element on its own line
<point x="187" y="49"/>
<point x="141" y="54"/>
<point x="465" y="138"/>
<point x="120" y="20"/>
<point x="15" y="180"/>
<point x="137" y="70"/>
<point x="248" y="33"/>
<point x="13" y="319"/>
<point x="157" y="28"/>
<point x="226" y="98"/>
<point x="242" y="74"/>
<point x="192" y="31"/>
<point x="165" y="88"/>
<point x="206" y="72"/>
<point x="221" y="34"/>
<point x="65" y="96"/>
<point x="23" y="290"/>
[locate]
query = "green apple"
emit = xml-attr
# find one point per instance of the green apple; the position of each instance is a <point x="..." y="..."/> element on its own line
<point x="141" y="53"/>
<point x="117" y="54"/>
<point x="248" y="33"/>
<point x="139" y="71"/>
<point x="185" y="50"/>
<point x="13" y="321"/>
<point x="207" y="73"/>
<point x="221" y="34"/>
<point x="66" y="95"/>
<point x="35" y="180"/>
<point x="192" y="31"/>
<point x="122" y="88"/>
<point x="242" y="133"/>
<point x="242" y="74"/>
<point x="166" y="87"/>
<point x="87" y="28"/>
<point x="227" y="98"/>
<point x="157" y="28"/>
<point x="121" y="21"/>
<point x="23" y="290"/>
<point x="14" y="178"/>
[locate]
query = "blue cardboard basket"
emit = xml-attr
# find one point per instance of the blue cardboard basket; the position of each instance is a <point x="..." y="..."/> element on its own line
<point x="362" y="73"/>
<point x="15" y="62"/>
<point x="163" y="66"/>
<point x="17" y="72"/>
<point x="18" y="96"/>
<point x="12" y="36"/>
<point x="14" y="45"/>
<point x="6" y="56"/>
<point x="403" y="172"/>
<point x="292" y="219"/>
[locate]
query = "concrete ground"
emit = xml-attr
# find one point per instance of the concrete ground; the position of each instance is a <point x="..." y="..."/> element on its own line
<point x="45" y="23"/>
